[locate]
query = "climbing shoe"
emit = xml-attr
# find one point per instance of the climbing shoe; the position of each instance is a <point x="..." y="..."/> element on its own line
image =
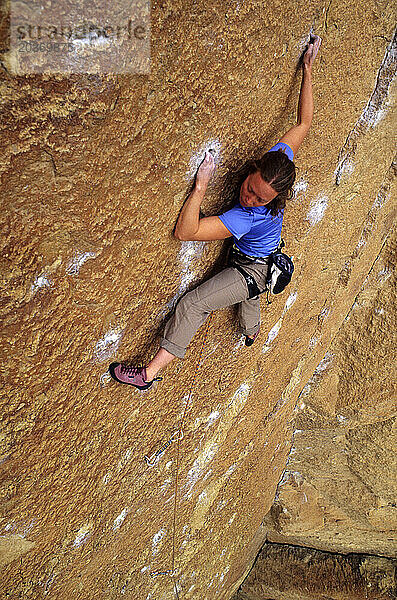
<point x="249" y="341"/>
<point x="135" y="376"/>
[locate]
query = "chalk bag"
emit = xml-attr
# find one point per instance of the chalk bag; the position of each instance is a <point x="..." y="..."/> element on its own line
<point x="280" y="272"/>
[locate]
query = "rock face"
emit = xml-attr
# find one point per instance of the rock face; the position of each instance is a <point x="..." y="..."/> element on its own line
<point x="339" y="489"/>
<point x="338" y="492"/>
<point x="94" y="172"/>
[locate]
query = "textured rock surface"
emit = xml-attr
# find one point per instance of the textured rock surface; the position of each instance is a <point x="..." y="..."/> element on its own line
<point x="94" y="172"/>
<point x="339" y="490"/>
<point x="285" y="572"/>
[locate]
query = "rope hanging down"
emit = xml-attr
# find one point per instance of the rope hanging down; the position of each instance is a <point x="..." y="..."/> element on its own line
<point x="178" y="450"/>
<point x="178" y="435"/>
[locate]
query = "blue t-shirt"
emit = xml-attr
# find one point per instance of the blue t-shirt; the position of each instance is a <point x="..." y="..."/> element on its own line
<point x="256" y="232"/>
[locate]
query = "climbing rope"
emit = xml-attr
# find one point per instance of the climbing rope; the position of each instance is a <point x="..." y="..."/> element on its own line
<point x="174" y="521"/>
<point x="152" y="460"/>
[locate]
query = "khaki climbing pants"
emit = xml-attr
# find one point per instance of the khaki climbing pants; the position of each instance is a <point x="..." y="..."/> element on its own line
<point x="224" y="289"/>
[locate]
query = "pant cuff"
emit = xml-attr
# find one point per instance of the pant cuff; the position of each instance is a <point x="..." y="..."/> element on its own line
<point x="173" y="348"/>
<point x="251" y="330"/>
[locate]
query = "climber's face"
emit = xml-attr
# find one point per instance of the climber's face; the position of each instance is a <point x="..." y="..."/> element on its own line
<point x="255" y="191"/>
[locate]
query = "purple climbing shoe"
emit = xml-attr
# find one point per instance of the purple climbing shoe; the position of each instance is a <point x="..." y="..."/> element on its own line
<point x="249" y="341"/>
<point x="135" y="376"/>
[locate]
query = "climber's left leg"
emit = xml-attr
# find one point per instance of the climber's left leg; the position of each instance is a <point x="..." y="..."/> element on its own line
<point x="249" y="316"/>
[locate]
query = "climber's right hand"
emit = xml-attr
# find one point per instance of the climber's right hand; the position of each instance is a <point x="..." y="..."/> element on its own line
<point x="205" y="171"/>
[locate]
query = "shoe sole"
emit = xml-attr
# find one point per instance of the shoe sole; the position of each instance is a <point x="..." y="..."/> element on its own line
<point x="113" y="366"/>
<point x="250" y="341"/>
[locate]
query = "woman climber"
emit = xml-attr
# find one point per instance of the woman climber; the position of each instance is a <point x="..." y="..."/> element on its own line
<point x="254" y="222"/>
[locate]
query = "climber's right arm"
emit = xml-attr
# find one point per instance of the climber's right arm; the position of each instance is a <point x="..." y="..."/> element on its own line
<point x="189" y="226"/>
<point x="208" y="228"/>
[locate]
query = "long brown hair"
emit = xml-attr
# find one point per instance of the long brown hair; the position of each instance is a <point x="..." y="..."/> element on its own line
<point x="279" y="171"/>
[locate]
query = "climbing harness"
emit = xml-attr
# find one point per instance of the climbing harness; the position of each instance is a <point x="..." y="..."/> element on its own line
<point x="279" y="271"/>
<point x="252" y="286"/>
<point x="236" y="255"/>
<point x="152" y="460"/>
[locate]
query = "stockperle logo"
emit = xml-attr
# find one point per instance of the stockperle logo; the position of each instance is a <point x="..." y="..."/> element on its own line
<point x="79" y="36"/>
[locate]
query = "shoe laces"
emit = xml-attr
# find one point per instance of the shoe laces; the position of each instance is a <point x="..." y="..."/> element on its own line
<point x="131" y="370"/>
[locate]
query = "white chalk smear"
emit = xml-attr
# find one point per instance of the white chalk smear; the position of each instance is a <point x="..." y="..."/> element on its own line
<point x="21" y="529"/>
<point x="317" y="209"/>
<point x="40" y="282"/>
<point x="324" y="363"/>
<point x="198" y="157"/>
<point x="189" y="253"/>
<point x="322" y="366"/>
<point x="237" y="8"/>
<point x="156" y="540"/>
<point x="202" y="497"/>
<point x="231" y="470"/>
<point x="82" y="536"/>
<point x="207" y="475"/>
<point x="108" y="345"/>
<point x="381" y="198"/>
<point x="211" y="448"/>
<point x="240" y="397"/>
<point x="232" y="518"/>
<point x="222" y="575"/>
<point x="290" y="301"/>
<point x="79" y="258"/>
<point x="313" y="342"/>
<point x="273" y="333"/>
<point x="384" y="275"/>
<point x="239" y="344"/>
<point x="300" y="186"/>
<point x="345" y="168"/>
<point x="166" y="484"/>
<point x="302" y="45"/>
<point x="194" y="474"/>
<point x="324" y="313"/>
<point x="119" y="520"/>
<point x="213" y="417"/>
<point x="287" y="476"/>
<point x="104" y="379"/>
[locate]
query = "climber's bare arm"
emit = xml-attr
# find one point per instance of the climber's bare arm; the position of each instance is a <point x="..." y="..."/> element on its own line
<point x="295" y="136"/>
<point x="189" y="225"/>
<point x="209" y="228"/>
